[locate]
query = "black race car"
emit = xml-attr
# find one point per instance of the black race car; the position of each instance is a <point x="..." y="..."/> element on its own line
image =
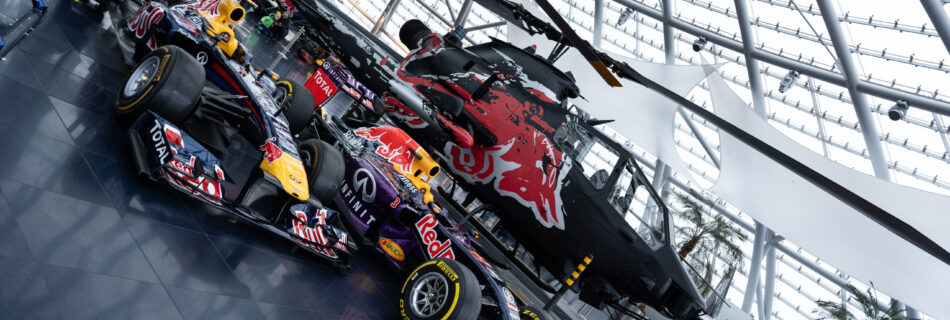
<point x="214" y="127"/>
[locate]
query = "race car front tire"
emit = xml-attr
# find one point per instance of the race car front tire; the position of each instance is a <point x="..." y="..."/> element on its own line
<point x="300" y="104"/>
<point x="167" y="81"/>
<point x="324" y="166"/>
<point x="440" y="289"/>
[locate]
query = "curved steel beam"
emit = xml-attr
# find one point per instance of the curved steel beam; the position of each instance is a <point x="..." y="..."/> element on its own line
<point x="925" y="103"/>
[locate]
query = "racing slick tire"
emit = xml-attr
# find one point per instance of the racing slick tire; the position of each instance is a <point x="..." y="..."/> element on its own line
<point x="440" y="289"/>
<point x="167" y="81"/>
<point x="300" y="104"/>
<point x="324" y="166"/>
<point x="534" y="313"/>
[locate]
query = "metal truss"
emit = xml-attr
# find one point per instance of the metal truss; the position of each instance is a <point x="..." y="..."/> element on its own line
<point x="839" y="120"/>
<point x="797" y="32"/>
<point x="895" y="25"/>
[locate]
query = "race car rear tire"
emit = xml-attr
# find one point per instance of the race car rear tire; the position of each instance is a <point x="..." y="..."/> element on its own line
<point x="300" y="104"/>
<point x="324" y="166"/>
<point x="167" y="81"/>
<point x="534" y="313"/>
<point x="459" y="299"/>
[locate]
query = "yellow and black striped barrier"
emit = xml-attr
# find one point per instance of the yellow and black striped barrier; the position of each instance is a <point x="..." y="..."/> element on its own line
<point x="569" y="282"/>
<point x="577" y="271"/>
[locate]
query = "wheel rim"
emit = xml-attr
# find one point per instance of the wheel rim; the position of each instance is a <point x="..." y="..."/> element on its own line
<point x="141" y="77"/>
<point x="429" y="294"/>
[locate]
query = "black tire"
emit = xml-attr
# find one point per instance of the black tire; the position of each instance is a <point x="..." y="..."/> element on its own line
<point x="411" y="32"/>
<point x="463" y="293"/>
<point x="325" y="168"/>
<point x="171" y="91"/>
<point x="534" y="313"/>
<point x="300" y="104"/>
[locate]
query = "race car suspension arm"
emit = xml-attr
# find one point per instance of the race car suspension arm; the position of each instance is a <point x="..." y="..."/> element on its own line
<point x="223" y="101"/>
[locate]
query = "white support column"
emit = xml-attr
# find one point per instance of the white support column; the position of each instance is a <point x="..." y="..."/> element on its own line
<point x="861" y="106"/>
<point x="758" y="242"/>
<point x="752" y="65"/>
<point x="769" y="285"/>
<point x="817" y="108"/>
<point x="463" y="14"/>
<point x="669" y="45"/>
<point x="599" y="6"/>
<point x="938" y="15"/>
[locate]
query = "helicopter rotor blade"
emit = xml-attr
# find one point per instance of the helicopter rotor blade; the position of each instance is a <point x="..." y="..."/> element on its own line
<point x="593" y="56"/>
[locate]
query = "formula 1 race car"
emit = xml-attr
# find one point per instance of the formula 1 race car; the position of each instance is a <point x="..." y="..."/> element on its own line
<point x="387" y="202"/>
<point x="501" y="120"/>
<point x="212" y="126"/>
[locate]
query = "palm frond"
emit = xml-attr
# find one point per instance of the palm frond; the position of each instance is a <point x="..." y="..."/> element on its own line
<point x="832" y="311"/>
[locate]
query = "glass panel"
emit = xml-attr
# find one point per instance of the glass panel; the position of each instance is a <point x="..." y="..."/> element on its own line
<point x="632" y="200"/>
<point x="597" y="160"/>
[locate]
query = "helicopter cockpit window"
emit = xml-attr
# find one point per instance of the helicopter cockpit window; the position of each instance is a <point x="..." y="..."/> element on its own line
<point x="632" y="200"/>
<point x="596" y="158"/>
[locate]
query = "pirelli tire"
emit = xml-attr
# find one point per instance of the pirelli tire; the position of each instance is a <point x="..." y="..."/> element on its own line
<point x="324" y="166"/>
<point x="167" y="81"/>
<point x="440" y="289"/>
<point x="300" y="104"/>
<point x="534" y="313"/>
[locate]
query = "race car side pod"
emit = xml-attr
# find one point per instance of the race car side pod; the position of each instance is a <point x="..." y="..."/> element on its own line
<point x="484" y="232"/>
<point x="22" y="28"/>
<point x="569" y="282"/>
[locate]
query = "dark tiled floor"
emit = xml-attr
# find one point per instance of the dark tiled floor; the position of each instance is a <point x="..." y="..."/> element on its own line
<point x="83" y="237"/>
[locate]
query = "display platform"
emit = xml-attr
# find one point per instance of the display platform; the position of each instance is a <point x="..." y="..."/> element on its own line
<point x="83" y="237"/>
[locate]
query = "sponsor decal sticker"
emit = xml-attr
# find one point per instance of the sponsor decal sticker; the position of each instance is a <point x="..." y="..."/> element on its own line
<point x="271" y="151"/>
<point x="180" y="166"/>
<point x="321" y="86"/>
<point x="392" y="249"/>
<point x="431" y="244"/>
<point x="313" y="237"/>
<point x="353" y="203"/>
<point x="510" y="299"/>
<point x="448" y="271"/>
<point x="159" y="141"/>
<point x="173" y="135"/>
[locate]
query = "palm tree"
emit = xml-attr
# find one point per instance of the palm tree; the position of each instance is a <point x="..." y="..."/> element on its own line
<point x="706" y="238"/>
<point x="705" y="232"/>
<point x="867" y="303"/>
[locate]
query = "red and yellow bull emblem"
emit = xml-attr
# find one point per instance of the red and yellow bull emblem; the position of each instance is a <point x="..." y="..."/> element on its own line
<point x="401" y="151"/>
<point x="271" y="151"/>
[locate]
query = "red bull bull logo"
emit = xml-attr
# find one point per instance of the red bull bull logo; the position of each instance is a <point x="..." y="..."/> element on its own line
<point x="209" y="6"/>
<point x="144" y="19"/>
<point x="524" y="164"/>
<point x="394" y="145"/>
<point x="271" y="151"/>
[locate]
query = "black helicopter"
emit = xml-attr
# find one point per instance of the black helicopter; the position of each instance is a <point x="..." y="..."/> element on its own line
<point x="499" y="116"/>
